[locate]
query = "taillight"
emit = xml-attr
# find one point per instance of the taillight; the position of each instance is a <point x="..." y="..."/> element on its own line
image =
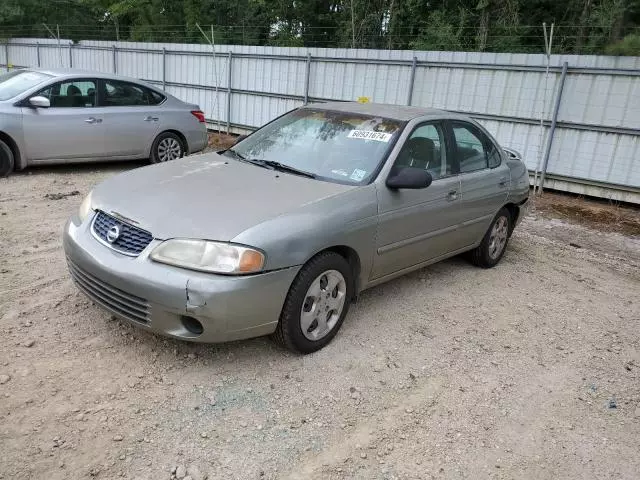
<point x="199" y="115"/>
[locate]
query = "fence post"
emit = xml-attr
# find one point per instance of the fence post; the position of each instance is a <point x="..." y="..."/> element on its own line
<point x="38" y="53"/>
<point x="70" y="55"/>
<point x="306" y="79"/>
<point x="164" y="69"/>
<point x="115" y="61"/>
<point x="554" y="121"/>
<point x="6" y="55"/>
<point x="229" y="62"/>
<point x="412" y="80"/>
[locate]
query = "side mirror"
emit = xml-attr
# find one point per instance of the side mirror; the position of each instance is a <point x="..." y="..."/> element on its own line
<point x="239" y="139"/>
<point x="409" y="177"/>
<point x="39" y="102"/>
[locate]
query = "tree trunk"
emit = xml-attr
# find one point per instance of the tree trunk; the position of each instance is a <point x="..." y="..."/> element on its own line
<point x="483" y="27"/>
<point x="582" y="29"/>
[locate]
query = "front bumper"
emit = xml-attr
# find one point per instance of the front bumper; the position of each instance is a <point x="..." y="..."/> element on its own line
<point x="159" y="297"/>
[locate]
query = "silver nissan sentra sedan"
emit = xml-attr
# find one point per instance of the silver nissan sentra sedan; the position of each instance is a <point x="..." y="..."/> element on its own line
<point x="66" y="115"/>
<point x="280" y="233"/>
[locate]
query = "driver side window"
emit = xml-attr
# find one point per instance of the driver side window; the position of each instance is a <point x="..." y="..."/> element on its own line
<point x="425" y="148"/>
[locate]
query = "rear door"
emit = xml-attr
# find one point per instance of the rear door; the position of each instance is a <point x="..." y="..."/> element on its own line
<point x="484" y="179"/>
<point x="131" y="116"/>
<point x="416" y="226"/>
<point x="71" y="128"/>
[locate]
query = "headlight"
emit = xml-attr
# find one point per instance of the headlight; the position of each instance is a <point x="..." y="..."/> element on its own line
<point x="85" y="207"/>
<point x="207" y="256"/>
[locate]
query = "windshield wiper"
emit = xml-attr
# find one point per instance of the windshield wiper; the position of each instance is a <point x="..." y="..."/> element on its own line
<point x="235" y="154"/>
<point x="271" y="164"/>
<point x="285" y="168"/>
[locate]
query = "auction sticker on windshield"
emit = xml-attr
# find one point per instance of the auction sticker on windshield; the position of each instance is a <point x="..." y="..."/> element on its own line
<point x="370" y="135"/>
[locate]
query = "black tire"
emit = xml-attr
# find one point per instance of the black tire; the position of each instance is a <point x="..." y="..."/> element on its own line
<point x="289" y="331"/>
<point x="6" y="159"/>
<point x="481" y="256"/>
<point x="160" y="144"/>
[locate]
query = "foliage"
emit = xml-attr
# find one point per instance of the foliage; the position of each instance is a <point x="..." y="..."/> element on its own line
<point x="581" y="26"/>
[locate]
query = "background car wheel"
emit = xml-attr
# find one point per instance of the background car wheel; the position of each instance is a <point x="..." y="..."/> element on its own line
<point x="494" y="243"/>
<point x="317" y="302"/>
<point x="6" y="159"/>
<point x="168" y="146"/>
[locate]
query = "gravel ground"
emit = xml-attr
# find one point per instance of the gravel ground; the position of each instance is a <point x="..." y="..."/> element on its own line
<point x="528" y="370"/>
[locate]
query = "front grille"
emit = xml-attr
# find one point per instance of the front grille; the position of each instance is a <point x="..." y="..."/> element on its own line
<point x="118" y="301"/>
<point x="132" y="240"/>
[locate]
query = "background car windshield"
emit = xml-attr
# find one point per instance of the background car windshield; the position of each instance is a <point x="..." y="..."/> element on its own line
<point x="14" y="83"/>
<point x="338" y="146"/>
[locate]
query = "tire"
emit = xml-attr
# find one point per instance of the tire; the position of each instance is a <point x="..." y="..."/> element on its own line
<point x="6" y="159"/>
<point x="166" y="147"/>
<point x="488" y="254"/>
<point x="302" y="304"/>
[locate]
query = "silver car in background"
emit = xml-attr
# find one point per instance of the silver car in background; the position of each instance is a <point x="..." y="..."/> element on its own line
<point x="64" y="116"/>
<point x="278" y="234"/>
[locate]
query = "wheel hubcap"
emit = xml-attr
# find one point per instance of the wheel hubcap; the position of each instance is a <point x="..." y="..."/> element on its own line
<point x="498" y="237"/>
<point x="323" y="304"/>
<point x="169" y="149"/>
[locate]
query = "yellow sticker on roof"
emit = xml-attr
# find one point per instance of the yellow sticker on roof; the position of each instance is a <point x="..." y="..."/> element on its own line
<point x="370" y="135"/>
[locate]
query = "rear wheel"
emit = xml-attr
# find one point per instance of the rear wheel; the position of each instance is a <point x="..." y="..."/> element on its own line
<point x="6" y="159"/>
<point x="494" y="243"/>
<point x="166" y="147"/>
<point x="316" y="304"/>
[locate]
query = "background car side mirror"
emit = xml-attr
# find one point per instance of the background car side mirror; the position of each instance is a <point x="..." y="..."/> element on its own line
<point x="39" y="102"/>
<point x="409" y="177"/>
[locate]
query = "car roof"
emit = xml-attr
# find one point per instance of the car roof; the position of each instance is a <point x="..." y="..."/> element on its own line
<point x="395" y="112"/>
<point x="75" y="72"/>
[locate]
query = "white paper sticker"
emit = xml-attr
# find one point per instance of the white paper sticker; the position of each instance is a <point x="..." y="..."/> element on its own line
<point x="341" y="172"/>
<point x="370" y="135"/>
<point x="358" y="174"/>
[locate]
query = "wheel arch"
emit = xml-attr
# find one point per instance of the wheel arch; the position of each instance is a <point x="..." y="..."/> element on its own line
<point x="514" y="211"/>
<point x="13" y="146"/>
<point x="352" y="257"/>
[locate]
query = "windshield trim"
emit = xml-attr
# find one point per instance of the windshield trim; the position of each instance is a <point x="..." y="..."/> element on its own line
<point x="374" y="173"/>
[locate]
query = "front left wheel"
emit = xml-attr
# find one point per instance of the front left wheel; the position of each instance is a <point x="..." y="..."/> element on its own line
<point x="317" y="303"/>
<point x="6" y="159"/>
<point x="166" y="147"/>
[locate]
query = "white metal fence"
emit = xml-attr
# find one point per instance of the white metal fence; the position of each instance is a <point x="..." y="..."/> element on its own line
<point x="590" y="132"/>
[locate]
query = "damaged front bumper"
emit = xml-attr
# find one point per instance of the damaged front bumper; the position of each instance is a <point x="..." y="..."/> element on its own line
<point x="166" y="299"/>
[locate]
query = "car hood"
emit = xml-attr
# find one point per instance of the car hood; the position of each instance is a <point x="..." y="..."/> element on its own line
<point x="206" y="196"/>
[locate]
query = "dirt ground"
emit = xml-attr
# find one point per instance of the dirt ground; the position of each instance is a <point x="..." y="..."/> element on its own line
<point x="530" y="370"/>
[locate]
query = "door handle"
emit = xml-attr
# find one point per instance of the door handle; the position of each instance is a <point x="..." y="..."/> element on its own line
<point x="93" y="120"/>
<point x="151" y="119"/>
<point x="503" y="182"/>
<point x="452" y="195"/>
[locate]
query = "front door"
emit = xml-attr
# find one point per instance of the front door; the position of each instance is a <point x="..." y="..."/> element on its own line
<point x="131" y="117"/>
<point x="484" y="180"/>
<point x="71" y="128"/>
<point x="416" y="226"/>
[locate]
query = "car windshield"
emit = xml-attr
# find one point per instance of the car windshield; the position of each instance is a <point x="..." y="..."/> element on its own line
<point x="18" y="81"/>
<point x="337" y="146"/>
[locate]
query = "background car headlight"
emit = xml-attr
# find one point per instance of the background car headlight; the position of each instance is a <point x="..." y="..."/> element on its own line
<point x="208" y="256"/>
<point x="85" y="208"/>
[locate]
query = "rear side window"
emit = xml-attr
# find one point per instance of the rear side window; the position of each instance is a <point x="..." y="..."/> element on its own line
<point x="474" y="150"/>
<point x="125" y="94"/>
<point x="79" y="93"/>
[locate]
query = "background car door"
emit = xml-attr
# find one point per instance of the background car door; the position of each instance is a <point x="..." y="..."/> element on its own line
<point x="484" y="180"/>
<point x="70" y="128"/>
<point x="419" y="225"/>
<point x="131" y="117"/>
